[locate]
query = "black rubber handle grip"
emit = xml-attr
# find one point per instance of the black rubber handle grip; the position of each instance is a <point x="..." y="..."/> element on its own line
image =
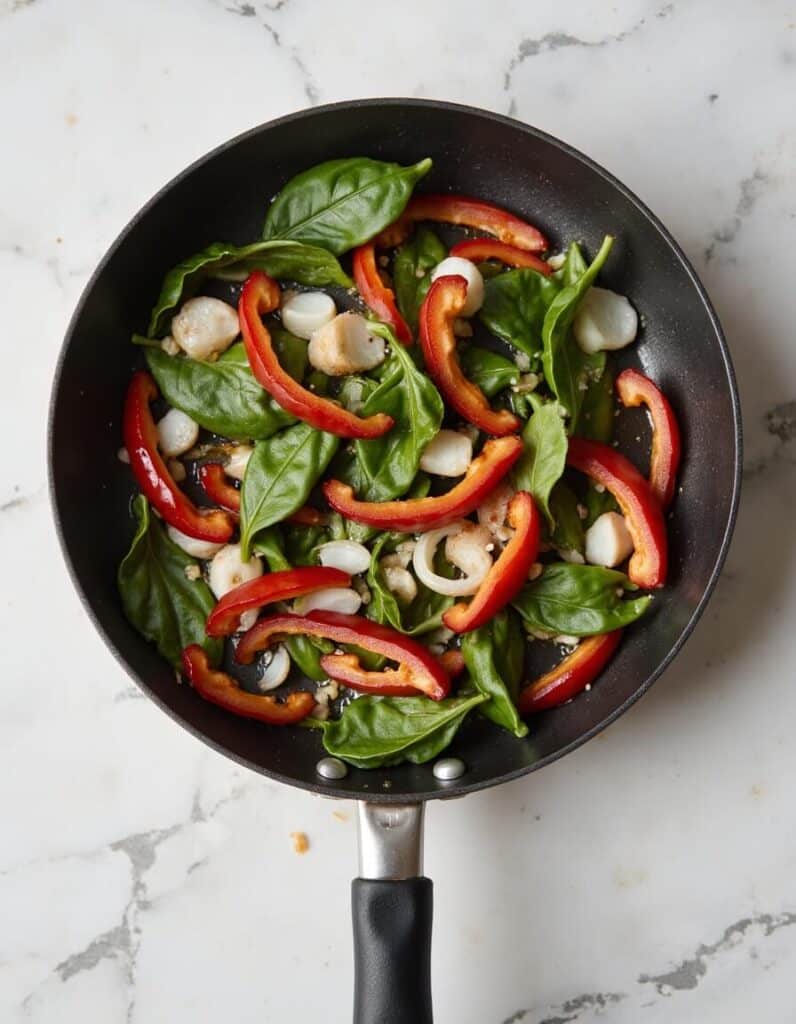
<point x="392" y="950"/>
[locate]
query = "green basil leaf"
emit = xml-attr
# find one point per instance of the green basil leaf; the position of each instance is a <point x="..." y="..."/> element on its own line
<point x="568" y="531"/>
<point x="305" y="264"/>
<point x="596" y="419"/>
<point x="509" y="645"/>
<point x="342" y="203"/>
<point x="414" y="261"/>
<point x="479" y="650"/>
<point x="279" y="477"/>
<point x="545" y="453"/>
<point x="566" y="368"/>
<point x="422" y="615"/>
<point x="578" y="600"/>
<point x="223" y="396"/>
<point x="387" y="465"/>
<point x="373" y="732"/>
<point x="489" y="370"/>
<point x="158" y="598"/>
<point x="515" y="304"/>
<point x="598" y="502"/>
<point x="302" y="542"/>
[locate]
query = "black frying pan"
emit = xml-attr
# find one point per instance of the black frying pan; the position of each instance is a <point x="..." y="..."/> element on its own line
<point x="223" y="197"/>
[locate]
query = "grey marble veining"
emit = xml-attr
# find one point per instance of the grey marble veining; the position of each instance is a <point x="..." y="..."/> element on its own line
<point x="648" y="877"/>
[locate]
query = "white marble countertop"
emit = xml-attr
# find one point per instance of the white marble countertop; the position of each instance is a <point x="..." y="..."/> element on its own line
<point x="648" y="877"/>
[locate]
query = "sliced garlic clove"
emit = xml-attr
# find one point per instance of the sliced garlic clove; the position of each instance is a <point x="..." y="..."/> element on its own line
<point x="238" y="460"/>
<point x="227" y="571"/>
<point x="608" y="540"/>
<point x="177" y="433"/>
<point x="423" y="562"/>
<point x="329" y="599"/>
<point x="303" y="313"/>
<point x="449" y="453"/>
<point x="205" y="327"/>
<point x="346" y="555"/>
<point x="605" y="321"/>
<point x="345" y="345"/>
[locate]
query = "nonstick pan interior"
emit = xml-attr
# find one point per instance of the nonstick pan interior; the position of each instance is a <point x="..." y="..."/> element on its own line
<point x="223" y="198"/>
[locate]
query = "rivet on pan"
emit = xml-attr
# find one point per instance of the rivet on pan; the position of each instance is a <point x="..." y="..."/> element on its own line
<point x="331" y="768"/>
<point x="449" y="768"/>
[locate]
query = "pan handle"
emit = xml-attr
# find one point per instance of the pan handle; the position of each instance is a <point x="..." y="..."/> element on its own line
<point x="392" y="908"/>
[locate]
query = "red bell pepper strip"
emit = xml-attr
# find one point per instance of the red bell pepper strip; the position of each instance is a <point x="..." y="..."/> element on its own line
<point x="471" y="213"/>
<point x="221" y="689"/>
<point x="571" y="675"/>
<point x="480" y="249"/>
<point x="503" y="581"/>
<point x="639" y="506"/>
<point x="260" y="294"/>
<point x="375" y="292"/>
<point x="276" y="586"/>
<point x="634" y="388"/>
<point x="416" y="515"/>
<point x="218" y="489"/>
<point x="152" y="475"/>
<point x="308" y="516"/>
<point x="442" y="305"/>
<point x="417" y="668"/>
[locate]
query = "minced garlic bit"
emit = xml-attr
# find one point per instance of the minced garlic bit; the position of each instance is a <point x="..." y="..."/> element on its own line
<point x="300" y="842"/>
<point x="170" y="346"/>
<point x="192" y="572"/>
<point x="583" y="512"/>
<point x="522" y="361"/>
<point x="600" y="488"/>
<point x="527" y="382"/>
<point x="123" y="456"/>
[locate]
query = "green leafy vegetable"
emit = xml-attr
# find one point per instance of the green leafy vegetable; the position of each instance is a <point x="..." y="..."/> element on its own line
<point x="545" y="452"/>
<point x="489" y="370"/>
<point x="568" y="531"/>
<point x="597" y="502"/>
<point x="596" y="419"/>
<point x="279" y="477"/>
<point x="578" y="600"/>
<point x="374" y="732"/>
<point x="302" y="542"/>
<point x="387" y="465"/>
<point x="567" y="369"/>
<point x="223" y="396"/>
<point x="515" y="304"/>
<point x="480" y="651"/>
<point x="292" y="261"/>
<point x="342" y="203"/>
<point x="422" y="615"/>
<point x="414" y="261"/>
<point x="158" y="598"/>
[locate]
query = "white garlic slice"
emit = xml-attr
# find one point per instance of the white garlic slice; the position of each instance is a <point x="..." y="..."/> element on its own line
<point x="227" y="571"/>
<point x="177" y="433"/>
<point x="192" y="545"/>
<point x="345" y="345"/>
<point x="303" y="313"/>
<point x="205" y="327"/>
<point x="449" y="453"/>
<point x="329" y="599"/>
<point x="346" y="555"/>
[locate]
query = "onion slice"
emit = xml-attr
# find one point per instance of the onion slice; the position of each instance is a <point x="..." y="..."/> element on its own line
<point x="476" y="561"/>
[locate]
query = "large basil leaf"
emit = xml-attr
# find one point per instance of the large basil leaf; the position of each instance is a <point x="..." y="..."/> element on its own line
<point x="509" y="644"/>
<point x="567" y="369"/>
<point x="578" y="600"/>
<point x="305" y="652"/>
<point x="342" y="203"/>
<point x="387" y="465"/>
<point x="414" y="261"/>
<point x="422" y="615"/>
<point x="373" y="732"/>
<point x="544" y="456"/>
<point x="223" y="396"/>
<point x="158" y="598"/>
<point x="568" y="531"/>
<point x="279" y="477"/>
<point x="292" y="261"/>
<point x="489" y="370"/>
<point x="479" y="649"/>
<point x="596" y="418"/>
<point x="515" y="304"/>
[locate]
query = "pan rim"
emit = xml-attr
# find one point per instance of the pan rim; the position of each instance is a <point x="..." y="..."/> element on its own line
<point x="460" y="789"/>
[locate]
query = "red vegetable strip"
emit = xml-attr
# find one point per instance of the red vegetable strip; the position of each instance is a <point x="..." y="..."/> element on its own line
<point x="417" y="666"/>
<point x="308" y="516"/>
<point x="503" y="581"/>
<point x="375" y="292"/>
<point x="345" y="668"/>
<point x="276" y="586"/>
<point x="152" y="475"/>
<point x="472" y="213"/>
<point x="480" y="249"/>
<point x="416" y="515"/>
<point x="442" y="305"/>
<point x="221" y="689"/>
<point x="633" y="389"/>
<point x="639" y="506"/>
<point x="216" y="486"/>
<point x="568" y="678"/>
<point x="261" y="295"/>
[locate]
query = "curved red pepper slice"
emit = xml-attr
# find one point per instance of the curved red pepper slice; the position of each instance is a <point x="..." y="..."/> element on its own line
<point x="571" y="675"/>
<point x="415" y="515"/>
<point x="276" y="586"/>
<point x="260" y="294"/>
<point x="375" y="292"/>
<point x="639" y="506"/>
<point x="152" y="475"/>
<point x="216" y="486"/>
<point x="471" y="213"/>
<point x="221" y="689"/>
<point x="442" y="305"/>
<point x="634" y="388"/>
<point x="503" y="581"/>
<point x="417" y="667"/>
<point x="480" y="249"/>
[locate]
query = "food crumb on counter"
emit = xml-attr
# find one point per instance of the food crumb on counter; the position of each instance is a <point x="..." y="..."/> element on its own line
<point x="300" y="842"/>
<point x="340" y="815"/>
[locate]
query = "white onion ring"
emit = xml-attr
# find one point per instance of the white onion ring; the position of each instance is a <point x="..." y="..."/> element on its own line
<point x="423" y="562"/>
